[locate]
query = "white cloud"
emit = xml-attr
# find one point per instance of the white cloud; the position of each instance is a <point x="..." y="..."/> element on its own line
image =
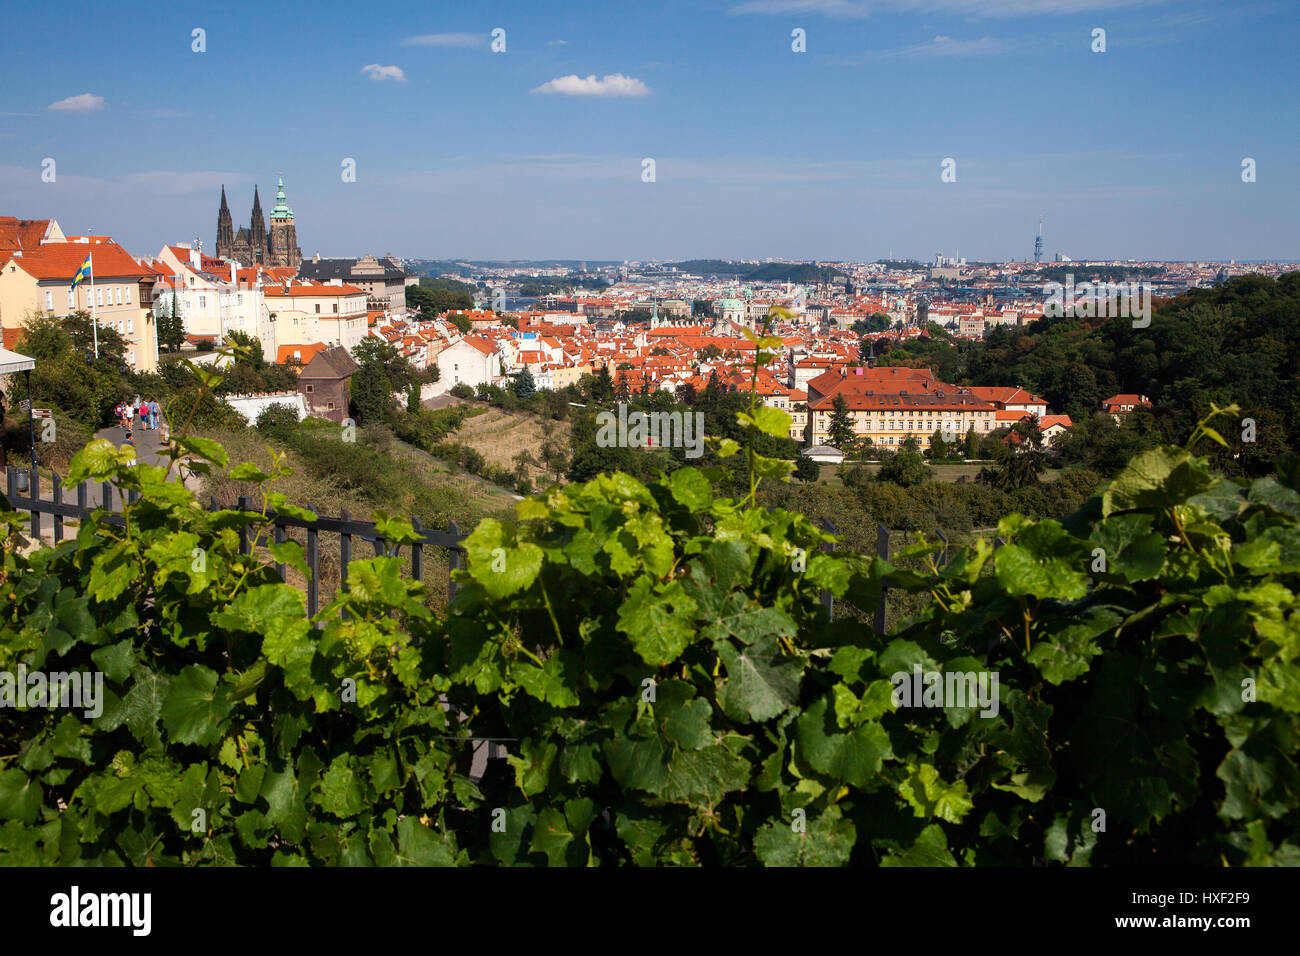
<point x="82" y="103"/>
<point x="940" y="46"/>
<point x="612" y="84"/>
<point x="446" y="39"/>
<point x="971" y="8"/>
<point x="377" y="72"/>
<point x="557" y="42"/>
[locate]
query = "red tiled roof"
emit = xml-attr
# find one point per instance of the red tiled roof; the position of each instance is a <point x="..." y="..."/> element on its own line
<point x="308" y="352"/>
<point x="313" y="290"/>
<point x="21" y="234"/>
<point x="61" y="260"/>
<point x="484" y="346"/>
<point x="1007" y="395"/>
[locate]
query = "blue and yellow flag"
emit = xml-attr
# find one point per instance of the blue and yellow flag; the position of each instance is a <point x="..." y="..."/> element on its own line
<point x="82" y="272"/>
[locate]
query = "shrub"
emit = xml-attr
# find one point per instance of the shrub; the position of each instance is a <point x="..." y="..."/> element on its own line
<point x="278" y="421"/>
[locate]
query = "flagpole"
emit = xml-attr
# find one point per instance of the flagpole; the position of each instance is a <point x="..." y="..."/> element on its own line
<point x="94" y="315"/>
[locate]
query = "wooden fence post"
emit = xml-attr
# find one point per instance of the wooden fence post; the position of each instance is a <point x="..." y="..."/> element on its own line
<point x="828" y="599"/>
<point x="882" y="550"/>
<point x="58" y="500"/>
<point x="313" y="566"/>
<point x="417" y="552"/>
<point x="245" y="504"/>
<point x="34" y="489"/>
<point x="453" y="561"/>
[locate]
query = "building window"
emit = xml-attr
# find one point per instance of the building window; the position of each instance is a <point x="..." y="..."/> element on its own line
<point x="128" y="295"/>
<point x="49" y="301"/>
<point x="336" y="307"/>
<point x="318" y="308"/>
<point x="99" y="296"/>
<point x="310" y="388"/>
<point x="130" y="325"/>
<point x="72" y="299"/>
<point x="203" y="302"/>
<point x="330" y="405"/>
<point x="119" y="295"/>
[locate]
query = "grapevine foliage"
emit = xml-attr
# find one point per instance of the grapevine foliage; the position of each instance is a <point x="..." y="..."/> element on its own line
<point x="667" y="683"/>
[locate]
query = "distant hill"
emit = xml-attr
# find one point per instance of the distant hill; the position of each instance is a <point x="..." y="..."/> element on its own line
<point x="714" y="267"/>
<point x="804" y="272"/>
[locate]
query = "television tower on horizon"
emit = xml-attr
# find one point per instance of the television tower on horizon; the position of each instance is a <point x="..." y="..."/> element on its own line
<point x="1038" y="243"/>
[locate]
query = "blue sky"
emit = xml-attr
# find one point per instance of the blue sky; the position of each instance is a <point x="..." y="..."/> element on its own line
<point x="760" y="152"/>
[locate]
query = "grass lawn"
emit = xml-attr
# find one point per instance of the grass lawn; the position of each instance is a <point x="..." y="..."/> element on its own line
<point x="948" y="473"/>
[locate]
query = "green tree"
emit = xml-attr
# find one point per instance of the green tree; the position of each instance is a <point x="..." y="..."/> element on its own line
<point x="905" y="467"/>
<point x="372" y="395"/>
<point x="170" y="329"/>
<point x="840" y="429"/>
<point x="1022" y="464"/>
<point x="805" y="469"/>
<point x="524" y="385"/>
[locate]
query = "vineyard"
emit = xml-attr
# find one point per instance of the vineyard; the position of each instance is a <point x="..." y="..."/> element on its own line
<point x="657" y="663"/>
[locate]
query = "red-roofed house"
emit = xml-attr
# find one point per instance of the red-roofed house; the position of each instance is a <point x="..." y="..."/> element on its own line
<point x="473" y="361"/>
<point x="1054" y="426"/>
<point x="1011" y="399"/>
<point x="1123" y="403"/>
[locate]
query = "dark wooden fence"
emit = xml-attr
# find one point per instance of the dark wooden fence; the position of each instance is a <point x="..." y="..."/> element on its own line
<point x="80" y="508"/>
<point x="883" y="536"/>
<point x="60" y="508"/>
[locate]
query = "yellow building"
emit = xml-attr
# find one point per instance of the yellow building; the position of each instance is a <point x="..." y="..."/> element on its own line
<point x="38" y="281"/>
<point x="564" y="375"/>
<point x="305" y="313"/>
<point x="891" y="405"/>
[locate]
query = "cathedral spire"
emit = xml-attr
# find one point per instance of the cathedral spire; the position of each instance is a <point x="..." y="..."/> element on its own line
<point x="225" y="229"/>
<point x="281" y="209"/>
<point x="257" y="231"/>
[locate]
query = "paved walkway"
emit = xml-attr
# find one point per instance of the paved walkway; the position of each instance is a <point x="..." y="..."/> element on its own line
<point x="149" y="449"/>
<point x="148" y="443"/>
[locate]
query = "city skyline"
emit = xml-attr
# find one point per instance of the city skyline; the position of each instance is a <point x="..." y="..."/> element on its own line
<point x="760" y="152"/>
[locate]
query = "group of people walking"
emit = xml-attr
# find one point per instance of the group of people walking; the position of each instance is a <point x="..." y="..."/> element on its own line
<point x="141" y="411"/>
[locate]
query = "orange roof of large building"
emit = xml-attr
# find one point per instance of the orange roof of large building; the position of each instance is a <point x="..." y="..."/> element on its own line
<point x="61" y="260"/>
<point x="893" y="378"/>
